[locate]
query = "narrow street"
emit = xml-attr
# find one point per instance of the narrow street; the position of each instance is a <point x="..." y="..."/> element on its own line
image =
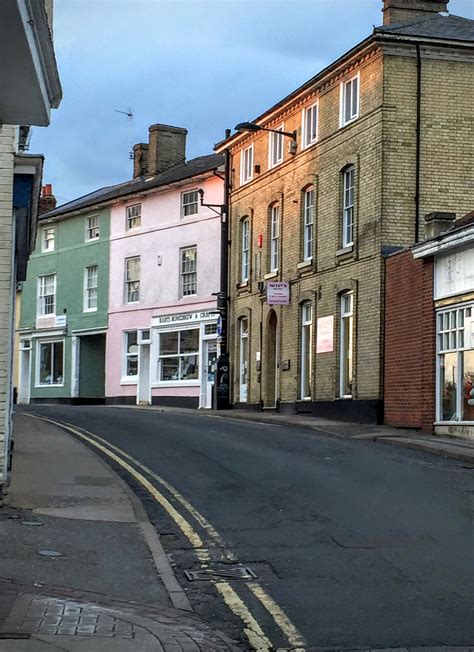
<point x="354" y="544"/>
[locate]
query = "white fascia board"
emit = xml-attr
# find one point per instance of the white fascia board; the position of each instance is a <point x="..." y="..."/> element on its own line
<point x="432" y="248"/>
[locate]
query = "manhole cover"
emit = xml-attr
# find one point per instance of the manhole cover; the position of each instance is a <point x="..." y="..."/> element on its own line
<point x="230" y="573"/>
<point x="50" y="553"/>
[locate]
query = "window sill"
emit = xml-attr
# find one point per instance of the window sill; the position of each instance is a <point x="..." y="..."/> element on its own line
<point x="349" y="122"/>
<point x="89" y="310"/>
<point x="132" y="380"/>
<point x="243" y="286"/>
<point x="91" y="240"/>
<point x="345" y="398"/>
<point x="271" y="275"/>
<point x="50" y="386"/>
<point x="176" y="383"/>
<point x="309" y="145"/>
<point x="345" y="250"/>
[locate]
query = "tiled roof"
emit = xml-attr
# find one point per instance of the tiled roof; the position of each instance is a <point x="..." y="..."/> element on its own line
<point x="437" y="26"/>
<point x="465" y="220"/>
<point x="180" y="172"/>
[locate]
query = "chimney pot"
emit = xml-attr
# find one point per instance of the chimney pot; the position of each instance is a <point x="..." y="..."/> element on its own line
<point x="47" y="200"/>
<point x="401" y="11"/>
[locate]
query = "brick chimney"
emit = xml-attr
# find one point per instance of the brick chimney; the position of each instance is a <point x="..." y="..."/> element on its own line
<point x="140" y="160"/>
<point x="437" y="223"/>
<point x="401" y="11"/>
<point x="167" y="147"/>
<point x="47" y="200"/>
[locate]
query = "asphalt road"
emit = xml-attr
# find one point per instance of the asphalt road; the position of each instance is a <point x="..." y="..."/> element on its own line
<point x="361" y="544"/>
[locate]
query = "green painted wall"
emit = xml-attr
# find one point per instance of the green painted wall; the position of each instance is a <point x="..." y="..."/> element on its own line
<point x="70" y="257"/>
<point x="92" y="366"/>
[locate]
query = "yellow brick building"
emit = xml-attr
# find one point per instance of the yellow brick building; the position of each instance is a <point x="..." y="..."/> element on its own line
<point x="382" y="137"/>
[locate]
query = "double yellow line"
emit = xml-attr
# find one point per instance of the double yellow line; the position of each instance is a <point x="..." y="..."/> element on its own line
<point x="255" y="635"/>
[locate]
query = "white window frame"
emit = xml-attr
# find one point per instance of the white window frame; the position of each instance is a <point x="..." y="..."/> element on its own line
<point x="275" y="147"/>
<point x="47" y="244"/>
<point x="311" y="135"/>
<point x="92" y="229"/>
<point x="129" y="282"/>
<point x="306" y="355"/>
<point x="244" y="359"/>
<point x="346" y="321"/>
<point x="454" y="325"/>
<point x="246" y="165"/>
<point x="187" y="273"/>
<point x="128" y="378"/>
<point x="89" y="289"/>
<point x="348" y="205"/>
<point x="158" y="357"/>
<point x="245" y="250"/>
<point x="309" y="209"/>
<point x="133" y="217"/>
<point x="39" y="343"/>
<point x="347" y="87"/>
<point x="187" y="205"/>
<point x="275" y="218"/>
<point x="41" y="296"/>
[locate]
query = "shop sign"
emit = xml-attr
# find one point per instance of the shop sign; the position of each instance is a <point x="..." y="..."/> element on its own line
<point x="325" y="334"/>
<point x="183" y="318"/>
<point x="278" y="293"/>
<point x="61" y="320"/>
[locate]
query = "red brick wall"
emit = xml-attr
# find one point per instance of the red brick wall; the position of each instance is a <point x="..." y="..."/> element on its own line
<point x="410" y="344"/>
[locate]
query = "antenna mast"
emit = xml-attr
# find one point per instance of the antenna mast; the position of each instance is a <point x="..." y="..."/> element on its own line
<point x="130" y="119"/>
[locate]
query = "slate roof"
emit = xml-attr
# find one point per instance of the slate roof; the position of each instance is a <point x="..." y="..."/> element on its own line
<point x="179" y="172"/>
<point x="438" y="26"/>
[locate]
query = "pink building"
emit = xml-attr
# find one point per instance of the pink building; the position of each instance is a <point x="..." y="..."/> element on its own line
<point x="164" y="273"/>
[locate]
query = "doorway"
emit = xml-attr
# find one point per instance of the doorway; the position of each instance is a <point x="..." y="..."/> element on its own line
<point x="144" y="388"/>
<point x="208" y="372"/>
<point x="270" y="361"/>
<point x="24" y="376"/>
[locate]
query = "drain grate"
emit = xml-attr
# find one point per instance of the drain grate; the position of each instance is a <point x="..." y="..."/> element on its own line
<point x="229" y="573"/>
<point x="14" y="635"/>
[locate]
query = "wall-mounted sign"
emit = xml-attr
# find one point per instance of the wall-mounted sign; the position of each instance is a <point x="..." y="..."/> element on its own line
<point x="278" y="293"/>
<point x="183" y="317"/>
<point x="325" y="334"/>
<point x="61" y="320"/>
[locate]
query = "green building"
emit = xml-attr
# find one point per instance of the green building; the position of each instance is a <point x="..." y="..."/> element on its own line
<point x="64" y="302"/>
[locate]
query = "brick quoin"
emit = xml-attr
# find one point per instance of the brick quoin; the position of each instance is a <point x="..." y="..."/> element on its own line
<point x="410" y="343"/>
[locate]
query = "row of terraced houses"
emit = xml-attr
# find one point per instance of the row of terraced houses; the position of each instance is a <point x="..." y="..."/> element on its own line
<point x="344" y="207"/>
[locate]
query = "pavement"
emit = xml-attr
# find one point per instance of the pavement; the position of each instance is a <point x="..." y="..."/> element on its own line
<point x="82" y="568"/>
<point x="453" y="447"/>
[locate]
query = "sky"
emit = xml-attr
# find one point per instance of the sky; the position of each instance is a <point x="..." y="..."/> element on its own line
<point x="200" y="64"/>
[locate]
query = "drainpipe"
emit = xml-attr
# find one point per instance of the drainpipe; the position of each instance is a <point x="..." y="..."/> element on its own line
<point x="418" y="143"/>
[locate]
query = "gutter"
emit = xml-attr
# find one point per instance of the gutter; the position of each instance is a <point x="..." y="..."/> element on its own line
<point x="444" y="243"/>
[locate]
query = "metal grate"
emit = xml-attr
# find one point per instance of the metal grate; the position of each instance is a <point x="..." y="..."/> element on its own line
<point x="229" y="572"/>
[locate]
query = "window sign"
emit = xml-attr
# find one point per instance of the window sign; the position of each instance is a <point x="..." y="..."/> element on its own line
<point x="325" y="334"/>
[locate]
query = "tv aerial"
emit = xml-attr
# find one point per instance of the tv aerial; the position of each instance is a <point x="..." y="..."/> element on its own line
<point x="130" y="119"/>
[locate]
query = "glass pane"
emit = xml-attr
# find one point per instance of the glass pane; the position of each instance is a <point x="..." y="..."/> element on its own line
<point x="347" y="356"/>
<point x="58" y="363"/>
<point x="355" y="92"/>
<point x="306" y="362"/>
<point x="189" y="341"/>
<point x="169" y="368"/>
<point x="189" y="367"/>
<point x="132" y="342"/>
<point x="347" y="102"/>
<point x="168" y="343"/>
<point x="448" y="377"/>
<point x="132" y="364"/>
<point x="45" y="363"/>
<point x="468" y="386"/>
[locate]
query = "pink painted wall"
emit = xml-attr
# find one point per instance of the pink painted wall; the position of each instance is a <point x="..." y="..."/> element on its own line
<point x="162" y="232"/>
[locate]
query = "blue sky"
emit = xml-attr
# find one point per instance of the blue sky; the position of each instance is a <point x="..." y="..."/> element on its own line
<point x="203" y="65"/>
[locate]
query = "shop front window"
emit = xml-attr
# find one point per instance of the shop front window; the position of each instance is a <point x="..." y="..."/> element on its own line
<point x="179" y="356"/>
<point x="456" y="364"/>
